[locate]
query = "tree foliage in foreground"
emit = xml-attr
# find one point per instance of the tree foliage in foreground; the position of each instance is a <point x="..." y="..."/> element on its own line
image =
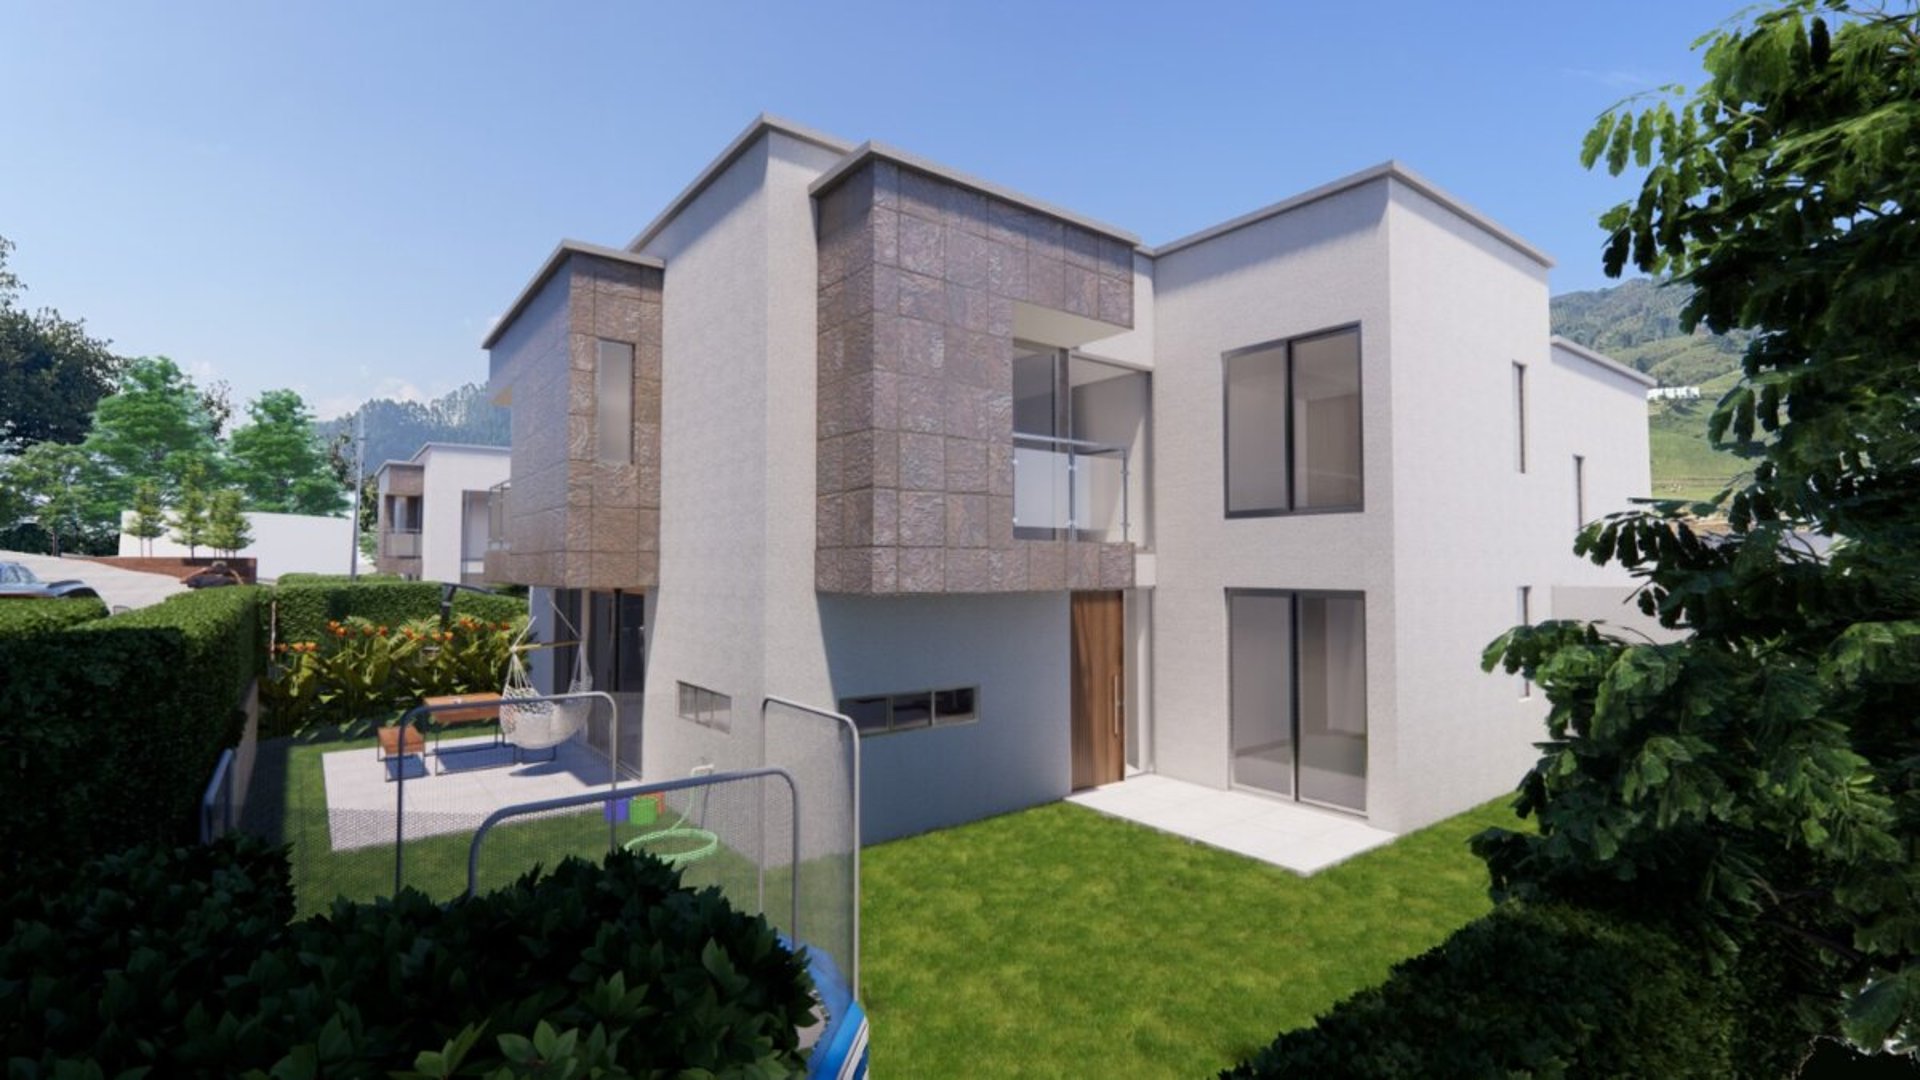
<point x="1761" y="777"/>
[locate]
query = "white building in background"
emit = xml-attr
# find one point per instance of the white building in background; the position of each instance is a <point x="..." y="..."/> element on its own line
<point x="1039" y="505"/>
<point x="282" y="544"/>
<point x="433" y="522"/>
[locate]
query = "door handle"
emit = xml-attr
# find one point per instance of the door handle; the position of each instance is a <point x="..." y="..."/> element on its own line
<point x="1117" y="711"/>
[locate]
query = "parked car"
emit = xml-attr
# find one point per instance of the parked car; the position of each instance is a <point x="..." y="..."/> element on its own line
<point x="18" y="582"/>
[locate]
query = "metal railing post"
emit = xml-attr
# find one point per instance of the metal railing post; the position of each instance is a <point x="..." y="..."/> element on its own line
<point x="412" y="717"/>
<point x="853" y="743"/>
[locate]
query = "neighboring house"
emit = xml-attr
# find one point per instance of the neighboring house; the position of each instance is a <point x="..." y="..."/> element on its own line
<point x="282" y="543"/>
<point x="434" y="522"/>
<point x="1038" y="505"/>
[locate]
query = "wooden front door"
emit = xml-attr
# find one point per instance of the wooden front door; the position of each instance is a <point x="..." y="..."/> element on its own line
<point x="1099" y="688"/>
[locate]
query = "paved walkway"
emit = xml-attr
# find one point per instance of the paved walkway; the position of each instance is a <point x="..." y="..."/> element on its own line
<point x="1300" y="838"/>
<point x="119" y="588"/>
<point x="453" y="794"/>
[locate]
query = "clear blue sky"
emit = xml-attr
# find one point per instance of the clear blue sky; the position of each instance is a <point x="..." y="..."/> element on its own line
<point x="340" y="197"/>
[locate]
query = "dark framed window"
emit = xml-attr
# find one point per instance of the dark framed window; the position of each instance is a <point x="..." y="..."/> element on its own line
<point x="1297" y="694"/>
<point x="708" y="708"/>
<point x="1292" y="425"/>
<point x="877" y="714"/>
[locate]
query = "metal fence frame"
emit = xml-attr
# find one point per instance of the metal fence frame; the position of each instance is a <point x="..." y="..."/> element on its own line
<point x="217" y="801"/>
<point x="616" y="793"/>
<point x="853" y="734"/>
<point x="411" y="719"/>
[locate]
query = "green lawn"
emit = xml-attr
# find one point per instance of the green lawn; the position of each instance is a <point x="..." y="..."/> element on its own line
<point x="1060" y="942"/>
<point x="288" y="806"/>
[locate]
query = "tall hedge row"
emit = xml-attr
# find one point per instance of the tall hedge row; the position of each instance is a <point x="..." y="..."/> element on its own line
<point x="19" y="618"/>
<point x="1551" y="992"/>
<point x="109" y="729"/>
<point x="183" y="963"/>
<point x="305" y="604"/>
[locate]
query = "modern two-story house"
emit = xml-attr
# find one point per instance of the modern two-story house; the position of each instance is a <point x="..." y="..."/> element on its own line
<point x="433" y="512"/>
<point x="1040" y="505"/>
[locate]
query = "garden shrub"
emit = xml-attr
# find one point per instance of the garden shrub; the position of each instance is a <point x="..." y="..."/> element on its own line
<point x="21" y="618"/>
<point x="109" y="729"/>
<point x="305" y="605"/>
<point x="1549" y="991"/>
<point x="360" y="669"/>
<point x="183" y="963"/>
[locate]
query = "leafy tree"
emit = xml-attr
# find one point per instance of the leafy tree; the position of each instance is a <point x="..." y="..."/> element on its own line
<point x="279" y="461"/>
<point x="148" y="522"/>
<point x="1760" y="778"/>
<point x="155" y="428"/>
<point x="50" y="481"/>
<point x="227" y="527"/>
<point x="52" y="374"/>
<point x="190" y="510"/>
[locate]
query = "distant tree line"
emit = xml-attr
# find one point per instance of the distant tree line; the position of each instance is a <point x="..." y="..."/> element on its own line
<point x="85" y="434"/>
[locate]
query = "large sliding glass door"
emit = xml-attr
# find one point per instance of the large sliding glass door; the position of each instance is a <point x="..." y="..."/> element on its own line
<point x="1298" y="694"/>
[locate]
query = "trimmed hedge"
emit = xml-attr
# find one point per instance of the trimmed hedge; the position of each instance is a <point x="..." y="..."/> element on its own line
<point x="109" y="729"/>
<point x="306" y="605"/>
<point x="183" y="963"/>
<point x="1550" y="991"/>
<point x="21" y="618"/>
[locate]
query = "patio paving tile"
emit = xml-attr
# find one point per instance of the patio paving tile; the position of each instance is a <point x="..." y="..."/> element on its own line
<point x="1302" y="839"/>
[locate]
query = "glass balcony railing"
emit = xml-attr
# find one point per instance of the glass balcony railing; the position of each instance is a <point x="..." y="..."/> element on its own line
<point x="400" y="544"/>
<point x="1070" y="489"/>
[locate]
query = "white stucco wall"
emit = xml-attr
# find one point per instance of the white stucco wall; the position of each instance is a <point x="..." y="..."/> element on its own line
<point x="734" y="611"/>
<point x="283" y="544"/>
<point x="1469" y="528"/>
<point x="450" y="472"/>
<point x="1320" y="266"/>
<point x="1013" y="647"/>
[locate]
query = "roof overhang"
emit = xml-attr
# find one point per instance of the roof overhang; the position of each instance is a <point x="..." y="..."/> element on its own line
<point x="871" y="151"/>
<point x="1604" y="361"/>
<point x="1386" y="170"/>
<point x="566" y="249"/>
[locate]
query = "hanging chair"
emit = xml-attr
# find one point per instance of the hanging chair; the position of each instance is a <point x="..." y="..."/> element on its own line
<point x="542" y="725"/>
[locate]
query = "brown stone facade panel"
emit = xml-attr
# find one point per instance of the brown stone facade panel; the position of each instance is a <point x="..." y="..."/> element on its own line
<point x="919" y="278"/>
<point x="573" y="520"/>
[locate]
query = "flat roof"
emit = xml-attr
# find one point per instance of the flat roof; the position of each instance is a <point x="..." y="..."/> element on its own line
<point x="561" y="252"/>
<point x="1386" y="170"/>
<point x="870" y="150"/>
<point x="463" y="447"/>
<point x="1603" y="360"/>
<point x="761" y="124"/>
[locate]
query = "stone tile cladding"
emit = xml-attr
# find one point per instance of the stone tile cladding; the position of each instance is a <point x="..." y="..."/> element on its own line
<point x="918" y="281"/>
<point x="574" y="521"/>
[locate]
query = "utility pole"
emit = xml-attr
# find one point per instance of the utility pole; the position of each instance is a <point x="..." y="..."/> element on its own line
<point x="359" y="481"/>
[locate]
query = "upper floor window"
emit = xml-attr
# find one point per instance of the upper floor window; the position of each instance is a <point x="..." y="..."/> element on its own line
<point x="1293" y="425"/>
<point x="1520" y="417"/>
<point x="1579" y="491"/>
<point x="613" y="403"/>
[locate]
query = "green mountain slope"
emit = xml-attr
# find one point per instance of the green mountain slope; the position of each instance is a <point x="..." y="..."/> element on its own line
<point x="395" y="429"/>
<point x="1638" y="324"/>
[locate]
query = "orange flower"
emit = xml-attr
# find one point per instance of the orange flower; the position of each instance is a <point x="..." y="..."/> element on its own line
<point x="366" y="631"/>
<point x="383" y="631"/>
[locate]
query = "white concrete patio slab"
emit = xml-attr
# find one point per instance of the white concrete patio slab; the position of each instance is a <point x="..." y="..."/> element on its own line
<point x="1299" y="838"/>
<point x="455" y="787"/>
<point x="119" y="588"/>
